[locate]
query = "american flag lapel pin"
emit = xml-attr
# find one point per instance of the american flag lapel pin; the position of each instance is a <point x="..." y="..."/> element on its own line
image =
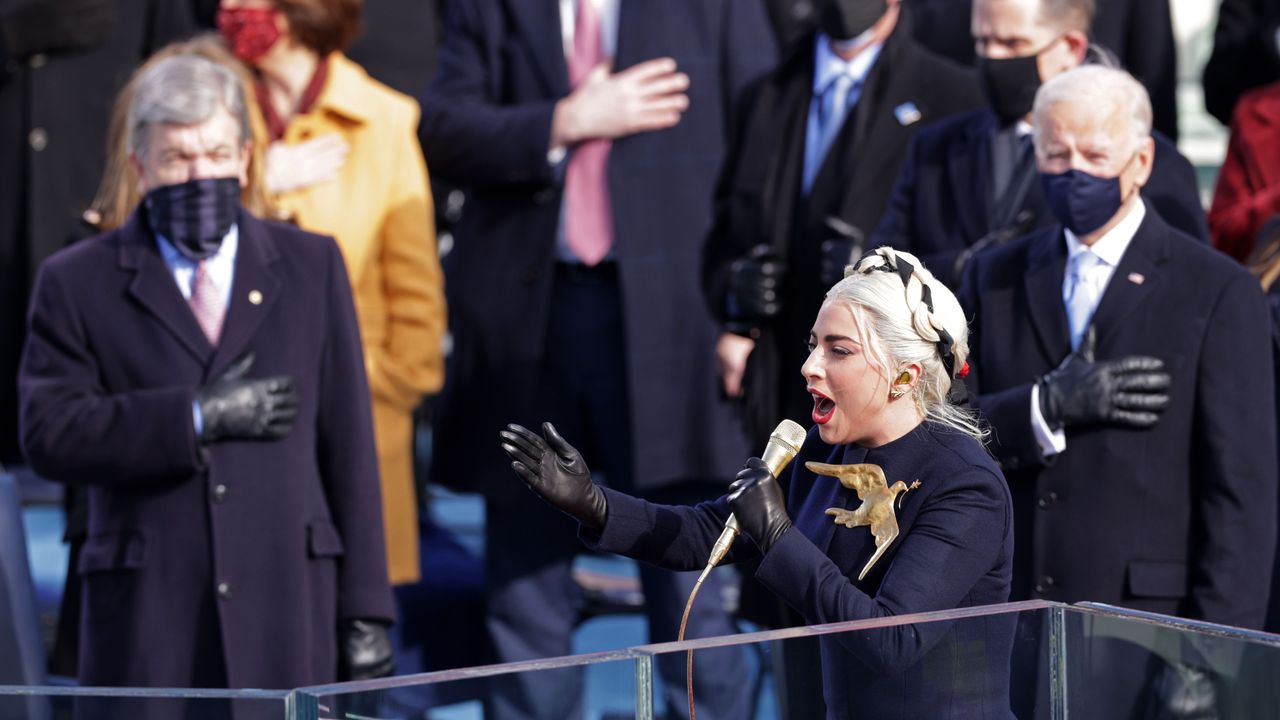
<point x="1137" y="278"/>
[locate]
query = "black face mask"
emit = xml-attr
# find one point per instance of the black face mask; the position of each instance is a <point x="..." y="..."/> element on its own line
<point x="1010" y="85"/>
<point x="847" y="19"/>
<point x="194" y="215"/>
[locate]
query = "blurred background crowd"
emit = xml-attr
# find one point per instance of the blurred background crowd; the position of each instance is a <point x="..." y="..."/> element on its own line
<point x="620" y="216"/>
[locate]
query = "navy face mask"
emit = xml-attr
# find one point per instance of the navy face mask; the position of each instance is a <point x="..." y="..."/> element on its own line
<point x="1083" y="202"/>
<point x="194" y="215"/>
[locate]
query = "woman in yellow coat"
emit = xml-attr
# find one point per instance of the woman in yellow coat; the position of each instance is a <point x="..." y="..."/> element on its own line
<point x="343" y="159"/>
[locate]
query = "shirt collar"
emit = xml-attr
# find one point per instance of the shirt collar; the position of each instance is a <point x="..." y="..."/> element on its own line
<point x="226" y="251"/>
<point x="1111" y="246"/>
<point x="827" y="65"/>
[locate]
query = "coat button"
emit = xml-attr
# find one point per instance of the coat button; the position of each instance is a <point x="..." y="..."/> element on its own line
<point x="38" y="138"/>
<point x="1044" y="585"/>
<point x="224" y="591"/>
<point x="219" y="493"/>
<point x="1047" y="499"/>
<point x="38" y="61"/>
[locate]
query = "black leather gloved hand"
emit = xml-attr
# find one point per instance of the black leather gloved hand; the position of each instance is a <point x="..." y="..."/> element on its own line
<point x="1183" y="692"/>
<point x="364" y="650"/>
<point x="235" y="408"/>
<point x="556" y="472"/>
<point x="841" y="250"/>
<point x="1129" y="391"/>
<point x="36" y="26"/>
<point x="755" y="498"/>
<point x="755" y="286"/>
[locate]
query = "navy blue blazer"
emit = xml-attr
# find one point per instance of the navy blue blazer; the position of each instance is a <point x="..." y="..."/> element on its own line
<point x="1180" y="518"/>
<point x="955" y="549"/>
<point x="941" y="203"/>
<point x="291" y="530"/>
<point x="486" y="126"/>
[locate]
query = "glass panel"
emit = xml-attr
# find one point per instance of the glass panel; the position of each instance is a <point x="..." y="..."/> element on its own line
<point x="1126" y="664"/>
<point x="56" y="703"/>
<point x="556" y="688"/>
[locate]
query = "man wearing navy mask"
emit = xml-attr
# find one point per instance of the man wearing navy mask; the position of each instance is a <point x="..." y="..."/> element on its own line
<point x="969" y="182"/>
<point x="805" y="184"/>
<point x="201" y="373"/>
<point x="1125" y="371"/>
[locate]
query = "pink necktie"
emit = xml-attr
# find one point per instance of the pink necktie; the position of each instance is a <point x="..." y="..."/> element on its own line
<point x="207" y="304"/>
<point x="588" y="216"/>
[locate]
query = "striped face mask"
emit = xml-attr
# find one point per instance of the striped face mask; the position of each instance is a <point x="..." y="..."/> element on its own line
<point x="194" y="215"/>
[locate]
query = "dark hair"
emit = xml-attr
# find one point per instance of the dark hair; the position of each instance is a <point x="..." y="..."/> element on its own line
<point x="1068" y="14"/>
<point x="322" y="25"/>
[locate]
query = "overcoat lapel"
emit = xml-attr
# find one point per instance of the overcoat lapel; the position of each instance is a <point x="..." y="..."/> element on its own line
<point x="1135" y="278"/>
<point x="153" y="288"/>
<point x="1046" y="265"/>
<point x="538" y="21"/>
<point x="254" y="290"/>
<point x="967" y="162"/>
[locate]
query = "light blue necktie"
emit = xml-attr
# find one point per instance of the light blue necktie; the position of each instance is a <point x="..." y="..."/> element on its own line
<point x="826" y="116"/>
<point x="1081" y="294"/>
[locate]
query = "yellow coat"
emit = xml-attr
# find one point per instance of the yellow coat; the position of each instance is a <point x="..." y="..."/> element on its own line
<point x="379" y="210"/>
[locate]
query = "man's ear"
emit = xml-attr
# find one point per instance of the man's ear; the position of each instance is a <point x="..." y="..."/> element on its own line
<point x="1077" y="44"/>
<point x="136" y="163"/>
<point x="246" y="156"/>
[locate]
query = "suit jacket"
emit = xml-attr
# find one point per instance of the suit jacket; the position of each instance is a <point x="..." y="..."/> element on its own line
<point x="1244" y="54"/>
<point x="954" y="549"/>
<point x="486" y="126"/>
<point x="379" y="209"/>
<point x="1138" y="32"/>
<point x="942" y="202"/>
<point x="1178" y="518"/>
<point x="759" y="200"/>
<point x="231" y="562"/>
<point x="1248" y="191"/>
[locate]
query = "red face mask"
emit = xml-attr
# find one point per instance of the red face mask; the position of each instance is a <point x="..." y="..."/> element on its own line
<point x="249" y="31"/>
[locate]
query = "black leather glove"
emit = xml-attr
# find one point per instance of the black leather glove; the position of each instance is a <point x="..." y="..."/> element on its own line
<point x="1183" y="692"/>
<point x="843" y="249"/>
<point x="1130" y="391"/>
<point x="755" y="497"/>
<point x="755" y="286"/>
<point x="36" y="26"/>
<point x="364" y="650"/>
<point x="239" y="409"/>
<point x="556" y="472"/>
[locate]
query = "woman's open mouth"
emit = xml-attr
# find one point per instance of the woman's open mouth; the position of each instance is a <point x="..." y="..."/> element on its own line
<point x="823" y="407"/>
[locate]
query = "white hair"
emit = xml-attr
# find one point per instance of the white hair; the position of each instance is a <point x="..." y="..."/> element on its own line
<point x="1105" y="89"/>
<point x="184" y="90"/>
<point x="900" y="328"/>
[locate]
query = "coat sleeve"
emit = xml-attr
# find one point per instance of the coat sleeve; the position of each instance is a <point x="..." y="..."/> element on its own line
<point x="72" y="429"/>
<point x="472" y="137"/>
<point x="1240" y="208"/>
<point x="410" y="361"/>
<point x="1234" y="462"/>
<point x="955" y="540"/>
<point x="1244" y="56"/>
<point x="347" y="458"/>
<point x="669" y="536"/>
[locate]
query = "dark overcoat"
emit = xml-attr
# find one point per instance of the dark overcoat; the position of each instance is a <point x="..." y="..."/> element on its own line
<point x="954" y="549"/>
<point x="1179" y="518"/>
<point x="228" y="563"/>
<point x="942" y="203"/>
<point x="759" y="200"/>
<point x="486" y="126"/>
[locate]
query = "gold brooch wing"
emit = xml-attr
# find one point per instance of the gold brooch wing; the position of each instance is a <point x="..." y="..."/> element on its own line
<point x="876" y="510"/>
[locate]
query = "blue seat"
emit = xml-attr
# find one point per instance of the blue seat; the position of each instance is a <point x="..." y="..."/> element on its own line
<point x="23" y="661"/>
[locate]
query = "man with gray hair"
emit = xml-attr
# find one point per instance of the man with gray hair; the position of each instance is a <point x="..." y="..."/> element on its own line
<point x="200" y="372"/>
<point x="1126" y="372"/>
<point x="969" y="182"/>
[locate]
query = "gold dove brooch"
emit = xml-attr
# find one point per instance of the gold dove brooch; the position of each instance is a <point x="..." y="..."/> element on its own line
<point x="877" y="497"/>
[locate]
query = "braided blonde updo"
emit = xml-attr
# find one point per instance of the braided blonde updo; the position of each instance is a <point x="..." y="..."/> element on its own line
<point x="911" y="319"/>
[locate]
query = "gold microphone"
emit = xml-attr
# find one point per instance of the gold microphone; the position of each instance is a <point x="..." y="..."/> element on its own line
<point x="783" y="445"/>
